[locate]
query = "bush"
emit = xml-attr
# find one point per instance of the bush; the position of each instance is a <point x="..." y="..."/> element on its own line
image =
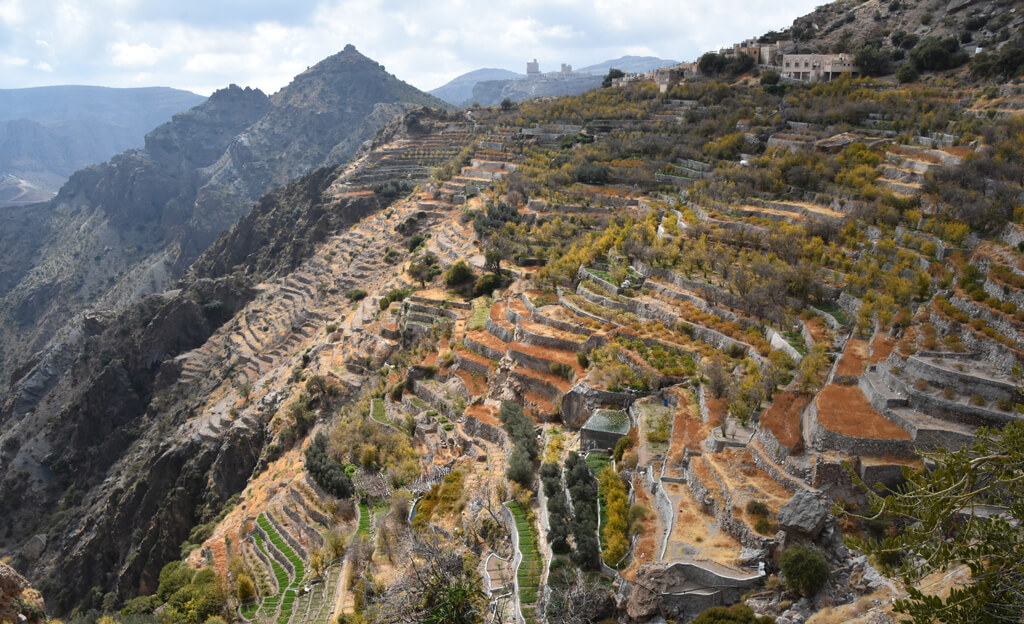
<point x="805" y="568"/>
<point x="244" y="588"/>
<point x="486" y="285"/>
<point x="763" y="525"/>
<point x="414" y="242"/>
<point x="757" y="508"/>
<point x="356" y="294"/>
<point x="935" y="54"/>
<point x="458" y="273"/>
<point x="624" y="444"/>
<point x="589" y="173"/>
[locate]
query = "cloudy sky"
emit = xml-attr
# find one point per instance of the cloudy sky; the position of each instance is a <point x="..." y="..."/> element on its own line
<point x="202" y="45"/>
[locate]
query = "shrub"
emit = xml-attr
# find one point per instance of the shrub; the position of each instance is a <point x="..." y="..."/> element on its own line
<point x="356" y="294"/>
<point x="624" y="444"/>
<point x="763" y="525"/>
<point x="906" y="73"/>
<point x="561" y="370"/>
<point x="414" y="242"/>
<point x="757" y="508"/>
<point x="978" y="400"/>
<point x="244" y="588"/>
<point x="937" y="54"/>
<point x="486" y="284"/>
<point x="805" y="568"/>
<point x="458" y="273"/>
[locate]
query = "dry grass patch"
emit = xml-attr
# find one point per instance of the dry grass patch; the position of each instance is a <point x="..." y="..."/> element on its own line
<point x="855" y="358"/>
<point x="783" y="419"/>
<point x="845" y="410"/>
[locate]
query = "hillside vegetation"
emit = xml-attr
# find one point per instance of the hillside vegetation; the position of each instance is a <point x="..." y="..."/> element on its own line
<point x="619" y="355"/>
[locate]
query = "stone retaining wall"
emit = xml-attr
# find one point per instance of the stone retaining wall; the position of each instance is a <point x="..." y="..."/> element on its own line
<point x="828" y="318"/>
<point x="1004" y="293"/>
<point x="287" y="537"/>
<point x="437" y="396"/>
<point x="779" y="343"/>
<point x="777" y="451"/>
<point x="273" y="551"/>
<point x="849" y="304"/>
<point x="824" y="439"/>
<point x="525" y="336"/>
<point x="479" y="429"/>
<point x="461" y="305"/>
<point x="938" y="407"/>
<point x="430" y="310"/>
<point x="498" y="331"/>
<point x="308" y="532"/>
<point x="996" y="321"/>
<point x="782" y="478"/>
<point x="539" y="317"/>
<point x="962" y="382"/>
<point x="601" y="300"/>
<point x="311" y="511"/>
<point x="575" y="310"/>
<point x="700" y="303"/>
<point x="472" y="366"/>
<point x="482" y="349"/>
<point x="585" y="274"/>
<point x="540" y="386"/>
<point x="532" y="361"/>
<point x="721" y="512"/>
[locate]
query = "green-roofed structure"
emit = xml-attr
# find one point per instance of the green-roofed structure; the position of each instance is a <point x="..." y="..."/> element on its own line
<point x="603" y="429"/>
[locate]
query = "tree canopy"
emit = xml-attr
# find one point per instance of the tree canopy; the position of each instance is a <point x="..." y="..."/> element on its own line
<point x="966" y="511"/>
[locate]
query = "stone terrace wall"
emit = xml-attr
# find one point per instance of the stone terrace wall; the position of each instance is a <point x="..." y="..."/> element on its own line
<point x="962" y="382"/>
<point x="824" y="439"/>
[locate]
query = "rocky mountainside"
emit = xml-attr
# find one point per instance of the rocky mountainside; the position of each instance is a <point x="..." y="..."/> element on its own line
<point x="127" y="228"/>
<point x="48" y="133"/>
<point x="110" y="441"/>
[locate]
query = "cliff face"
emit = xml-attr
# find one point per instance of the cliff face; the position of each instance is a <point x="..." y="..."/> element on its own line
<point x="129" y="227"/>
<point x="98" y="437"/>
<point x="101" y="438"/>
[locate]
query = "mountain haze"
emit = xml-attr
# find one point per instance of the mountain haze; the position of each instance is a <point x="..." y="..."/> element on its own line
<point x="459" y="91"/>
<point x="47" y="133"/>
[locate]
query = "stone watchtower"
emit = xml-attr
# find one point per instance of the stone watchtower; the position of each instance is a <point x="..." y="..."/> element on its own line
<point x="532" y="68"/>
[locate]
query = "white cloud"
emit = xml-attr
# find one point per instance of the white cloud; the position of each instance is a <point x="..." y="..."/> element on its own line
<point x="206" y="45"/>
<point x="13" y="61"/>
<point x="11" y="13"/>
<point x="138" y="55"/>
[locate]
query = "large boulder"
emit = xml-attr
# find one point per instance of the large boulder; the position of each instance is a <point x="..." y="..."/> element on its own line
<point x="804" y="514"/>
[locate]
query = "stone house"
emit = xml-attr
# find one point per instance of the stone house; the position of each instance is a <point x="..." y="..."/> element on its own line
<point x="815" y="67"/>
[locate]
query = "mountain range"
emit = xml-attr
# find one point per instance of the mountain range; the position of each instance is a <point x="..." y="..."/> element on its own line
<point x="48" y="133"/>
<point x="497" y="84"/>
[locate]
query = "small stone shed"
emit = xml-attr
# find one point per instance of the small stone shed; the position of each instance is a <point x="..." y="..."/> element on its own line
<point x="603" y="429"/>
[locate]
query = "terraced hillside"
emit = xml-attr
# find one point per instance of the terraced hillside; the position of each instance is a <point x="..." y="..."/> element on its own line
<point x="551" y="359"/>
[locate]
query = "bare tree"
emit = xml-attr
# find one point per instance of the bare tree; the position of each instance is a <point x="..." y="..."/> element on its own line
<point x="435" y="588"/>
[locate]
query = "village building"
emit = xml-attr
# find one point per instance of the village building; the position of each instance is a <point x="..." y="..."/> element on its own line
<point x="817" y="67"/>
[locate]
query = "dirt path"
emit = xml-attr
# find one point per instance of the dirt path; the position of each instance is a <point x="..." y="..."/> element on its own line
<point x="339" y="593"/>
